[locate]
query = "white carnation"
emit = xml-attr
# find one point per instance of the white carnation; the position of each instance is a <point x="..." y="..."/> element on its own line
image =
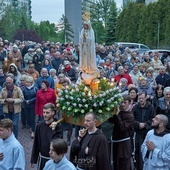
<point x="95" y="105"/>
<point x="80" y="105"/>
<point x="90" y="98"/>
<point x="86" y="105"/>
<point x="109" y="101"/>
<point x="95" y="96"/>
<point x="84" y="100"/>
<point x="71" y="98"/>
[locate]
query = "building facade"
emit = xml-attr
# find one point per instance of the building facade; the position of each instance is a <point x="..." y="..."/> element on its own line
<point x="150" y="1"/>
<point x="146" y="1"/>
<point x="26" y="4"/>
<point x="73" y="12"/>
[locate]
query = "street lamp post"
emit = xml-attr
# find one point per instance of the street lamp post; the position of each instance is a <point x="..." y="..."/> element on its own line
<point x="79" y="31"/>
<point x="158" y="33"/>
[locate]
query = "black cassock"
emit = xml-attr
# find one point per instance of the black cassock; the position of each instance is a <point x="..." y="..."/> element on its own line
<point x="43" y="136"/>
<point x="98" y="157"/>
<point x="123" y="129"/>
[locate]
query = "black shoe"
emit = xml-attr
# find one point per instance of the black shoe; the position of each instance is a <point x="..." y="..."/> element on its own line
<point x="23" y="127"/>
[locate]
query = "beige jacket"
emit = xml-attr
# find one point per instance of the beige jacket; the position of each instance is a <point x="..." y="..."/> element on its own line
<point x="17" y="96"/>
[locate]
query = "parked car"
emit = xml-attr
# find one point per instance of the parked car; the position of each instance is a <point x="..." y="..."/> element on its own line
<point x="140" y="48"/>
<point x="160" y="51"/>
<point x="164" y="55"/>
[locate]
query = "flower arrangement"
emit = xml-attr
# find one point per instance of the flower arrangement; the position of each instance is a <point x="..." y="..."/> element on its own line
<point x="79" y="99"/>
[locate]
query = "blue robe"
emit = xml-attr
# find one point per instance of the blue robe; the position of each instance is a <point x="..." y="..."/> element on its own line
<point x="64" y="164"/>
<point x="14" y="157"/>
<point x="159" y="158"/>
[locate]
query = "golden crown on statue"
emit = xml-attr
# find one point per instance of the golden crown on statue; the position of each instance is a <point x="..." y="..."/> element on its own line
<point x="86" y="16"/>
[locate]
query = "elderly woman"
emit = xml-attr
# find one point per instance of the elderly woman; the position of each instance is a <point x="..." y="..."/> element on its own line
<point x="28" y="57"/>
<point x="150" y="78"/>
<point x="156" y="62"/>
<point x="29" y="92"/>
<point x="145" y="87"/>
<point x="59" y="85"/>
<point x="32" y="72"/>
<point x="54" y="76"/>
<point x="123" y="86"/>
<point x="135" y="74"/>
<point x="122" y="74"/>
<point x="163" y="105"/>
<point x="69" y="71"/>
<point x="38" y="59"/>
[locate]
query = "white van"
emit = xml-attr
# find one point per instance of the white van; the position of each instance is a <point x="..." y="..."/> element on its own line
<point x="141" y="48"/>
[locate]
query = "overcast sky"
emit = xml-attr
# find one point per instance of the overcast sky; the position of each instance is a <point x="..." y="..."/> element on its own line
<point x="51" y="10"/>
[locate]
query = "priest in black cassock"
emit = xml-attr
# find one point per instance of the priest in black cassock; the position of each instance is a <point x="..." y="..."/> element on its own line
<point x="90" y="151"/>
<point x="43" y="135"/>
<point x="123" y="122"/>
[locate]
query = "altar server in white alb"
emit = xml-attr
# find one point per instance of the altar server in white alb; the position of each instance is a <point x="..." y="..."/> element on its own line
<point x="58" y="161"/>
<point x="12" y="155"/>
<point x="156" y="146"/>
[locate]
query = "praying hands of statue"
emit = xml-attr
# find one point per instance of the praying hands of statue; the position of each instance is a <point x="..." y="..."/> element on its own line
<point x="84" y="36"/>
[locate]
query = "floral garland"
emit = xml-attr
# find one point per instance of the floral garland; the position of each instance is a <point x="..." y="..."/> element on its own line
<point x="77" y="100"/>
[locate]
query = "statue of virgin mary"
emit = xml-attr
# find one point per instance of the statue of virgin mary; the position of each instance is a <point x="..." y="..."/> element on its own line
<point x="87" y="55"/>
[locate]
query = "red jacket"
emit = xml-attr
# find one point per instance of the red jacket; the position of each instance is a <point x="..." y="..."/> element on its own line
<point x="42" y="98"/>
<point x="126" y="76"/>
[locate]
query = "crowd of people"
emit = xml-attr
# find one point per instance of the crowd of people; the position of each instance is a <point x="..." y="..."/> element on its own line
<point x="32" y="75"/>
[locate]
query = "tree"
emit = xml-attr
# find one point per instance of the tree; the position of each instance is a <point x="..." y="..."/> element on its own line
<point x="110" y="36"/>
<point x="13" y="20"/>
<point x="104" y="15"/>
<point x="67" y="32"/>
<point x="148" y="24"/>
<point x="8" y="23"/>
<point x="26" y="35"/>
<point x="140" y="1"/>
<point x="2" y="9"/>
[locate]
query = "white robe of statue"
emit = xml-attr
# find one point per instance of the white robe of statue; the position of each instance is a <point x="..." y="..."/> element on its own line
<point x="87" y="49"/>
<point x="88" y="52"/>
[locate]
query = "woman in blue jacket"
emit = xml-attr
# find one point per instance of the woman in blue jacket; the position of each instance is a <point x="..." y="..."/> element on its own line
<point x="29" y="92"/>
